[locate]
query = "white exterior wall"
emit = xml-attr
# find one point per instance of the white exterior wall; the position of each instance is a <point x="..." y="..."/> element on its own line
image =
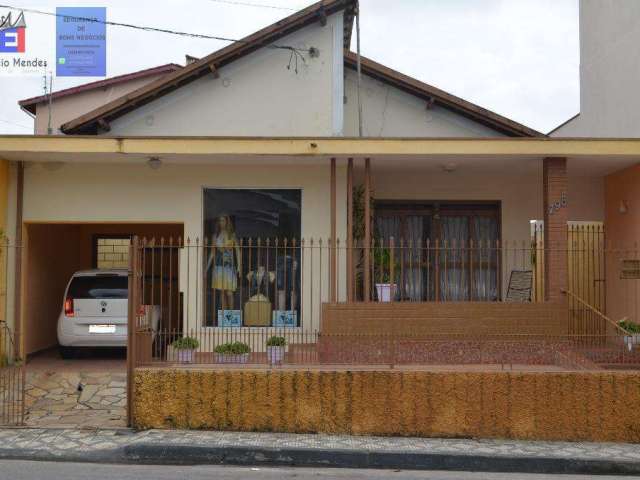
<point x="609" y="71"/>
<point x="100" y="193"/>
<point x="390" y="112"/>
<point x="256" y="95"/>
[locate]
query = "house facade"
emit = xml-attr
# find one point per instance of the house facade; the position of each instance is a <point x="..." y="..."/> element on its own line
<point x="253" y="216"/>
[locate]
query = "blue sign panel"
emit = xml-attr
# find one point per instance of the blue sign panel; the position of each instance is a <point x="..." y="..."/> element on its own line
<point x="81" y="35"/>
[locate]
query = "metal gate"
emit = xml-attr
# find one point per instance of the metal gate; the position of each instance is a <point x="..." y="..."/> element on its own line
<point x="12" y="379"/>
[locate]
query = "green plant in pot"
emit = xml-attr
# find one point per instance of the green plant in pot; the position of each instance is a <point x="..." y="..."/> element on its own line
<point x="633" y="333"/>
<point x="232" y="352"/>
<point x="382" y="262"/>
<point x="358" y="235"/>
<point x="275" y="349"/>
<point x="185" y="347"/>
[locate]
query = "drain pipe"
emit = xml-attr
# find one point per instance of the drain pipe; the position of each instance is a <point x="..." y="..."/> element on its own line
<point x="359" y="69"/>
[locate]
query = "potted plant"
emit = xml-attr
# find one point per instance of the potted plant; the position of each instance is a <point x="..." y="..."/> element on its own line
<point x="385" y="288"/>
<point x="633" y="329"/>
<point x="275" y="349"/>
<point x="358" y="236"/>
<point x="185" y="347"/>
<point x="232" y="352"/>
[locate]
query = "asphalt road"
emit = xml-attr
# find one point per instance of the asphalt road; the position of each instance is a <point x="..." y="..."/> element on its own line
<point x="23" y="470"/>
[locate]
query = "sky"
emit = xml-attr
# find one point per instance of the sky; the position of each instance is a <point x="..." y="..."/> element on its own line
<point x="519" y="58"/>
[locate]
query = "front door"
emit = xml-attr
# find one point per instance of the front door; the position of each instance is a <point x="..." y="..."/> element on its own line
<point x="444" y="251"/>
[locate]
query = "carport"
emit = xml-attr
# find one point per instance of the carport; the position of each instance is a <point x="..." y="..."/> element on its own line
<point x="88" y="391"/>
<point x="54" y="251"/>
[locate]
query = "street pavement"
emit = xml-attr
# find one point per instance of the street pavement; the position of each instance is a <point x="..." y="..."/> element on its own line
<point x="23" y="470"/>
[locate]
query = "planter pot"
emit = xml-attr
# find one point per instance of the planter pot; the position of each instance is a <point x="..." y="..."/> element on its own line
<point x="631" y="340"/>
<point x="275" y="355"/>
<point x="230" y="358"/>
<point x="384" y="291"/>
<point x="185" y="356"/>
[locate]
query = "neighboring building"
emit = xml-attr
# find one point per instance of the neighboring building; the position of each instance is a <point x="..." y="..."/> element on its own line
<point x="610" y="108"/>
<point x="609" y="71"/>
<point x="254" y="88"/>
<point x="67" y="104"/>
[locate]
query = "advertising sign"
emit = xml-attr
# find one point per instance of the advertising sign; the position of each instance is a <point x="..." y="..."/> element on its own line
<point x="81" y="42"/>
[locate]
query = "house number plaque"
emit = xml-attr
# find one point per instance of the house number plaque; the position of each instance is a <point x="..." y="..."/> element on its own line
<point x="557" y="205"/>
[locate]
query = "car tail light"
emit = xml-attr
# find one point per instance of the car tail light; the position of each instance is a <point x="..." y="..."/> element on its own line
<point x="68" y="307"/>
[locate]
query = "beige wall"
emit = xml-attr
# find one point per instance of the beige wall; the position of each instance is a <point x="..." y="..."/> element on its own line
<point x="67" y="108"/>
<point x="256" y="95"/>
<point x="520" y="194"/>
<point x="587" y="199"/>
<point x="609" y="71"/>
<point x="135" y="193"/>
<point x="390" y="112"/>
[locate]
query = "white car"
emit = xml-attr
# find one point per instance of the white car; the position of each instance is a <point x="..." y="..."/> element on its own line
<point x="94" y="311"/>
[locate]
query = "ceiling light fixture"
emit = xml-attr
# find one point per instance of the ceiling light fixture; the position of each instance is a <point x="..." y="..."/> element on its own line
<point x="154" y="163"/>
<point x="449" y="167"/>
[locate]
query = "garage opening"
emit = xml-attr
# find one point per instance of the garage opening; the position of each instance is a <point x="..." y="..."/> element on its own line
<point x="87" y="390"/>
<point x="56" y="251"/>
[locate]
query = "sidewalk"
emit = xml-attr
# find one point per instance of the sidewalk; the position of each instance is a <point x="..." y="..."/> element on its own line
<point x="174" y="447"/>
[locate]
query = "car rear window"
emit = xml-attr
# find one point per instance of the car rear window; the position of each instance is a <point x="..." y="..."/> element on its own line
<point x="101" y="286"/>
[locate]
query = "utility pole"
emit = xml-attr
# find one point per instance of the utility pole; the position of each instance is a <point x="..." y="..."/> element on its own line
<point x="48" y="90"/>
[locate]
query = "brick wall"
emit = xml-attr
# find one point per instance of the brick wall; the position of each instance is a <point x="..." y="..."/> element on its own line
<point x="112" y="253"/>
<point x="556" y="215"/>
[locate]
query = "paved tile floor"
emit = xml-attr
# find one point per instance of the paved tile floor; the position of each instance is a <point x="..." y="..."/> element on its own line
<point x="79" y="393"/>
<point x="60" y="442"/>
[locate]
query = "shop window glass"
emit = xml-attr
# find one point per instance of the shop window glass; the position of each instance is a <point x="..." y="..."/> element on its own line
<point x="252" y="257"/>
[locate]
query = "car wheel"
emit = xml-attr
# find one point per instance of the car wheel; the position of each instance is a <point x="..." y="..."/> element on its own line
<point x="67" y="353"/>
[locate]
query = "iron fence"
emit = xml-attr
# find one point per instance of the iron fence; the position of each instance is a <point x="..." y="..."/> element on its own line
<point x="284" y="282"/>
<point x="248" y="291"/>
<point x="309" y="349"/>
<point x="12" y="379"/>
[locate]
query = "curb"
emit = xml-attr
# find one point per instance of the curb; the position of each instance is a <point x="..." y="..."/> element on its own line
<point x="169" y="454"/>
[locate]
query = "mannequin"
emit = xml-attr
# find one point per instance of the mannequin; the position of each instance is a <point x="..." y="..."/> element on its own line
<point x="259" y="281"/>
<point x="227" y="261"/>
<point x="257" y="311"/>
<point x="287" y="279"/>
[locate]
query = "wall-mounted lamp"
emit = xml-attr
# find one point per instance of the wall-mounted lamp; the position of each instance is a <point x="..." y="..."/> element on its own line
<point x="623" y="207"/>
<point x="154" y="163"/>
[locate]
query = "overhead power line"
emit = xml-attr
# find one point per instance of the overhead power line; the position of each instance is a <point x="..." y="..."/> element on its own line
<point x="16" y="124"/>
<point x="258" y="5"/>
<point x="156" y="29"/>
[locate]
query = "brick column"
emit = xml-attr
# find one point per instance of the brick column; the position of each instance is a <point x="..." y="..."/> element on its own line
<point x="556" y="214"/>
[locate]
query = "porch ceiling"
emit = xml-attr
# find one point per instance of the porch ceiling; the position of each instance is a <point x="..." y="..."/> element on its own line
<point x="589" y="157"/>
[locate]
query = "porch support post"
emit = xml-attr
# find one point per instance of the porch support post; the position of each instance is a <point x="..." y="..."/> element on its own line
<point x="556" y="215"/>
<point x="19" y="258"/>
<point x="350" y="286"/>
<point x="367" y="230"/>
<point x="334" y="277"/>
<point x="131" y="326"/>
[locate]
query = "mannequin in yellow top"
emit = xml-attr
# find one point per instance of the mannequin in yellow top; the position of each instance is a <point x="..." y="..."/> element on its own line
<point x="227" y="261"/>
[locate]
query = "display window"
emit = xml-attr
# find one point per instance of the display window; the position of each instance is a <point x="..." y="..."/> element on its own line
<point x="251" y="257"/>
